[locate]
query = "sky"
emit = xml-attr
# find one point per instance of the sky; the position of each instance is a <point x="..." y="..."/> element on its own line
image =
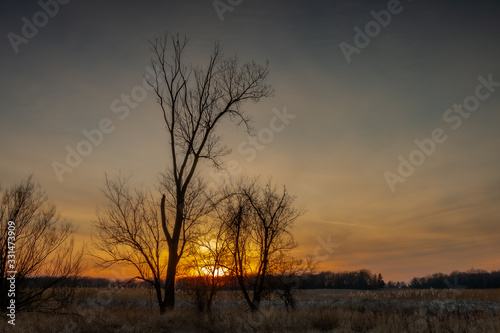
<point x="388" y="116"/>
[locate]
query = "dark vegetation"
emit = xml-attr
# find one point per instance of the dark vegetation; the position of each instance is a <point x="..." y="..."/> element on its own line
<point x="359" y="280"/>
<point x="471" y="279"/>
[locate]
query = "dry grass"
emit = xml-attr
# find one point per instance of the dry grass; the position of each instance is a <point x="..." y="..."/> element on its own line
<point x="317" y="311"/>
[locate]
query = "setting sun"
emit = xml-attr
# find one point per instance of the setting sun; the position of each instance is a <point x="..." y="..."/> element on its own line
<point x="213" y="271"/>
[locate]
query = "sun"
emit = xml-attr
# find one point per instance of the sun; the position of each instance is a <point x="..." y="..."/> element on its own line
<point x="211" y="270"/>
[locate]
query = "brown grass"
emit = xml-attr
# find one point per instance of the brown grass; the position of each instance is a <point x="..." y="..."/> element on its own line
<point x="317" y="311"/>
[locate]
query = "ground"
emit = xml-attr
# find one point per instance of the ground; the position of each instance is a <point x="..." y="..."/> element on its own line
<point x="127" y="310"/>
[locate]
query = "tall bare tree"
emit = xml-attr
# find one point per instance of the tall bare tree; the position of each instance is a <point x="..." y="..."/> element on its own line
<point x="194" y="100"/>
<point x="34" y="242"/>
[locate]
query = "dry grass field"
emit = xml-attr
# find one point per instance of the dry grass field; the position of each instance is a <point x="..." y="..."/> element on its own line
<point x="396" y="310"/>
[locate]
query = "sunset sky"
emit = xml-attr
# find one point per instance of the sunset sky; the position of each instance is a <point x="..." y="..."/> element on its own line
<point x="348" y="121"/>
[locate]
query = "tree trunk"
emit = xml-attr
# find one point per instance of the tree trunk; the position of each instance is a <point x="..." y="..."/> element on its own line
<point x="169" y="301"/>
<point x="260" y="284"/>
<point x="173" y="256"/>
<point x="251" y="304"/>
<point x="159" y="296"/>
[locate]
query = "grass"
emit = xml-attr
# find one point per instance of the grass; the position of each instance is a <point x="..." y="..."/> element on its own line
<point x="317" y="311"/>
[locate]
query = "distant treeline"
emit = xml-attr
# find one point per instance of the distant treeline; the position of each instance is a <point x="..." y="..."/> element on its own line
<point x="362" y="279"/>
<point x="471" y="279"/>
<point x="85" y="282"/>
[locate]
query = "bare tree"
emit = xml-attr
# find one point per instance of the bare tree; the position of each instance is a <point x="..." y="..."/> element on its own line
<point x="258" y="221"/>
<point x="287" y="274"/>
<point x="129" y="232"/>
<point x="194" y="100"/>
<point x="34" y="242"/>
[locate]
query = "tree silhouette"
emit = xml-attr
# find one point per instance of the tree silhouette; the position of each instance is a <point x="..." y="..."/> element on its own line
<point x="258" y="222"/>
<point x="34" y="242"/>
<point x="193" y="101"/>
<point x="129" y="232"/>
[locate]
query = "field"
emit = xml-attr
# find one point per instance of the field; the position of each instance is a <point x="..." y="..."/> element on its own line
<point x="134" y="310"/>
